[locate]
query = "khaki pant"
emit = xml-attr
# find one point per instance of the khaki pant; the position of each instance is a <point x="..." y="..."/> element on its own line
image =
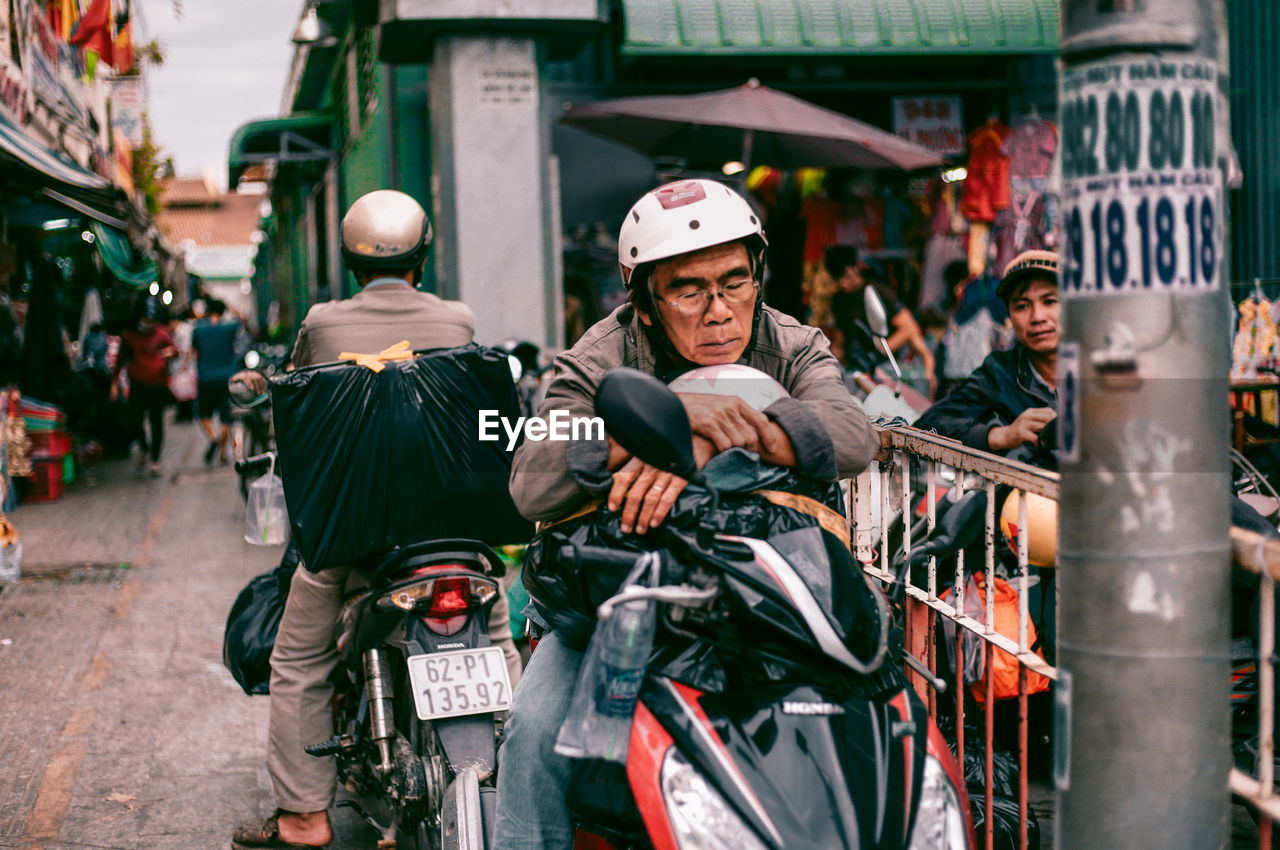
<point x="305" y="654"/>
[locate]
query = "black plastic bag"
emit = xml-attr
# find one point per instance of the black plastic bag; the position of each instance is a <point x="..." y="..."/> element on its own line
<point x="1004" y="802"/>
<point x="376" y="460"/>
<point x="250" y="634"/>
<point x="566" y="599"/>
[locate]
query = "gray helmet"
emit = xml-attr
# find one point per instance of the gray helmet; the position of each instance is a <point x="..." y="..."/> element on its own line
<point x="385" y="230"/>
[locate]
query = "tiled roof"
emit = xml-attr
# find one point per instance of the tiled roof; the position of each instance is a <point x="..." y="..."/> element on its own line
<point x="224" y="220"/>
<point x="176" y="191"/>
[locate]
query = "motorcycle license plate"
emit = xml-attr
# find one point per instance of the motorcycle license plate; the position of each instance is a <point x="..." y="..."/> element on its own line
<point x="464" y="681"/>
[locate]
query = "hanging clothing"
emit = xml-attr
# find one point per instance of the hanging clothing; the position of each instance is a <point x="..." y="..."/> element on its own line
<point x="1255" y="342"/>
<point x="979" y="247"/>
<point x="939" y="252"/>
<point x="1030" y="147"/>
<point x="986" y="189"/>
<point x="91" y="313"/>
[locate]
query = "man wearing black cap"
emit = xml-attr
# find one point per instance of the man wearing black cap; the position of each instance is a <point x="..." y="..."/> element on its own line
<point x="1012" y="396"/>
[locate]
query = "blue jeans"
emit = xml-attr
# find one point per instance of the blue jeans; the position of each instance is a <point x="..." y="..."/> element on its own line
<point x="533" y="780"/>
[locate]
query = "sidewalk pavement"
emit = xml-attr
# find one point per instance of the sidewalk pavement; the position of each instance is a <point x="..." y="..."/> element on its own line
<point x="119" y="726"/>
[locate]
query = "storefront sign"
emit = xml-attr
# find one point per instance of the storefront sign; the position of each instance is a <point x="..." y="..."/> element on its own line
<point x="46" y="58"/>
<point x="123" y="176"/>
<point x="9" y="40"/>
<point x="14" y="93"/>
<point x="936" y="123"/>
<point x="126" y="109"/>
<point x="1142" y="192"/>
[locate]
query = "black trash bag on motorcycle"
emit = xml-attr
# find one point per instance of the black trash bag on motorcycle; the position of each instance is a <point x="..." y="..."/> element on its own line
<point x="250" y="633"/>
<point x="376" y="460"/>
<point x="567" y="599"/>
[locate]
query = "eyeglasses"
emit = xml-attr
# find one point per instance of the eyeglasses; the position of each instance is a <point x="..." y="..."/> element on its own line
<point x="696" y="303"/>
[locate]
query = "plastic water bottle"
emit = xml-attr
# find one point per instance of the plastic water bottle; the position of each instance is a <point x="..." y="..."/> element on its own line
<point x="625" y="644"/>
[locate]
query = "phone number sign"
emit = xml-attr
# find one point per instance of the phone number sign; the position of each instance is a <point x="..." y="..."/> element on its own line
<point x="1142" y="208"/>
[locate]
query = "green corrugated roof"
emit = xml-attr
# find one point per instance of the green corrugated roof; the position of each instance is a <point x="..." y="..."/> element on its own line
<point x="839" y="27"/>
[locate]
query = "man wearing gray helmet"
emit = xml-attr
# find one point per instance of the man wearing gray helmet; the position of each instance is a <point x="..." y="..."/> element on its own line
<point x="385" y="238"/>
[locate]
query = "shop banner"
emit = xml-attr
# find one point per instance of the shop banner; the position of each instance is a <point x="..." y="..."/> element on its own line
<point x="123" y="176"/>
<point x="936" y="123"/>
<point x="46" y="57"/>
<point x="1142" y="199"/>
<point x="126" y="109"/>
<point x="15" y="100"/>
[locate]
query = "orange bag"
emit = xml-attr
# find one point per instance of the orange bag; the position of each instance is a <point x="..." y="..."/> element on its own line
<point x="1004" y="665"/>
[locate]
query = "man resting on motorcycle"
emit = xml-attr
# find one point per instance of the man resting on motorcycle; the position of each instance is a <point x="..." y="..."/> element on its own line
<point x="691" y="256"/>
<point x="385" y="237"/>
<point x="1012" y="396"/>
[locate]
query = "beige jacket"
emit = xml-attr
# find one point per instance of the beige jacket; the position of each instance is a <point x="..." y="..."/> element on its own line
<point x="377" y="318"/>
<point x="831" y="435"/>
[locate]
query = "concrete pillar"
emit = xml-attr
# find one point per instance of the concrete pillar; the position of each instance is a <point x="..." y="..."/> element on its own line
<point x="497" y="240"/>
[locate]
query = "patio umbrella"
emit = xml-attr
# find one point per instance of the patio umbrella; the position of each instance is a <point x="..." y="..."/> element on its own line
<point x="753" y="124"/>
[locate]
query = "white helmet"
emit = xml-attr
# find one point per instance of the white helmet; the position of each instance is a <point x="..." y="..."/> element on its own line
<point x="754" y="387"/>
<point x="685" y="216"/>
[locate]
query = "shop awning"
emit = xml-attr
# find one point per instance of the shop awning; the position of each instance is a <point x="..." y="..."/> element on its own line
<point x="17" y="145"/>
<point x="839" y="27"/>
<point x="117" y="255"/>
<point x="300" y="137"/>
<point x="86" y="209"/>
<point x="30" y="167"/>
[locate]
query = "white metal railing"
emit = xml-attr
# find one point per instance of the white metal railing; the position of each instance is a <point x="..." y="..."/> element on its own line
<point x="883" y="493"/>
<point x="1261" y="555"/>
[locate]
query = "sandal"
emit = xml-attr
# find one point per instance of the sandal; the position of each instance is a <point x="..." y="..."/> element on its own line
<point x="264" y="833"/>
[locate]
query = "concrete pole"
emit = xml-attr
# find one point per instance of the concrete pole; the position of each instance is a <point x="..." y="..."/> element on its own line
<point x="1142" y="732"/>
<point x="496" y="242"/>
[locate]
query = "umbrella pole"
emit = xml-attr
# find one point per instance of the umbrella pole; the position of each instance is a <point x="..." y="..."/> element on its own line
<point x="748" y="141"/>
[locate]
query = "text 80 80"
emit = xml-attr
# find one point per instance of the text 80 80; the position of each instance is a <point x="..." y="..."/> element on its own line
<point x="1135" y="131"/>
<point x="1136" y="244"/>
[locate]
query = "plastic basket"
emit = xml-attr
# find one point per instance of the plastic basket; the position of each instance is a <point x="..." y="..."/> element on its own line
<point x="53" y="444"/>
<point x="47" y="483"/>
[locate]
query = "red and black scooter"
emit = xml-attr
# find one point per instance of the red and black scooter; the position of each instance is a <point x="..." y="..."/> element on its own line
<point x="774" y="713"/>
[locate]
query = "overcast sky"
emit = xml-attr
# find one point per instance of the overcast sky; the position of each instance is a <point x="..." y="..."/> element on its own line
<point x="225" y="63"/>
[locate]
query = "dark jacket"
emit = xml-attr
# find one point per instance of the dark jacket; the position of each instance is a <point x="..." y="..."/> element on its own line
<point x="830" y="435"/>
<point x="998" y="391"/>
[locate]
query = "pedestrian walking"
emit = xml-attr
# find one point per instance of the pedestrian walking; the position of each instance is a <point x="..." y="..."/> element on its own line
<point x="213" y="341"/>
<point x="145" y="352"/>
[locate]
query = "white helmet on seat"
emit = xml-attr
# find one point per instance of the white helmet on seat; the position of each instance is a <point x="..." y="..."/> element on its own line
<point x="754" y="387"/>
<point x="685" y="216"/>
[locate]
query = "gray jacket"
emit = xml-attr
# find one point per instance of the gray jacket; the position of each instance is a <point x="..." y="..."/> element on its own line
<point x="831" y="435"/>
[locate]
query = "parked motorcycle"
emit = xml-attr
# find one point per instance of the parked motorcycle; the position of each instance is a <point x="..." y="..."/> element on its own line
<point x="882" y="396"/>
<point x="418" y="697"/>
<point x="252" y="441"/>
<point x="775" y="713"/>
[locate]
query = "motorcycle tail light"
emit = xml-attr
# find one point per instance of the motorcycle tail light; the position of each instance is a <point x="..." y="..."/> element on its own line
<point x="443" y="603"/>
<point x="450" y="596"/>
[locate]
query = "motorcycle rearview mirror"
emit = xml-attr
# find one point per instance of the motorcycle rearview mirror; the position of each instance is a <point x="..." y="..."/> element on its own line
<point x="877" y="316"/>
<point x="878" y="321"/>
<point x="648" y="420"/>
